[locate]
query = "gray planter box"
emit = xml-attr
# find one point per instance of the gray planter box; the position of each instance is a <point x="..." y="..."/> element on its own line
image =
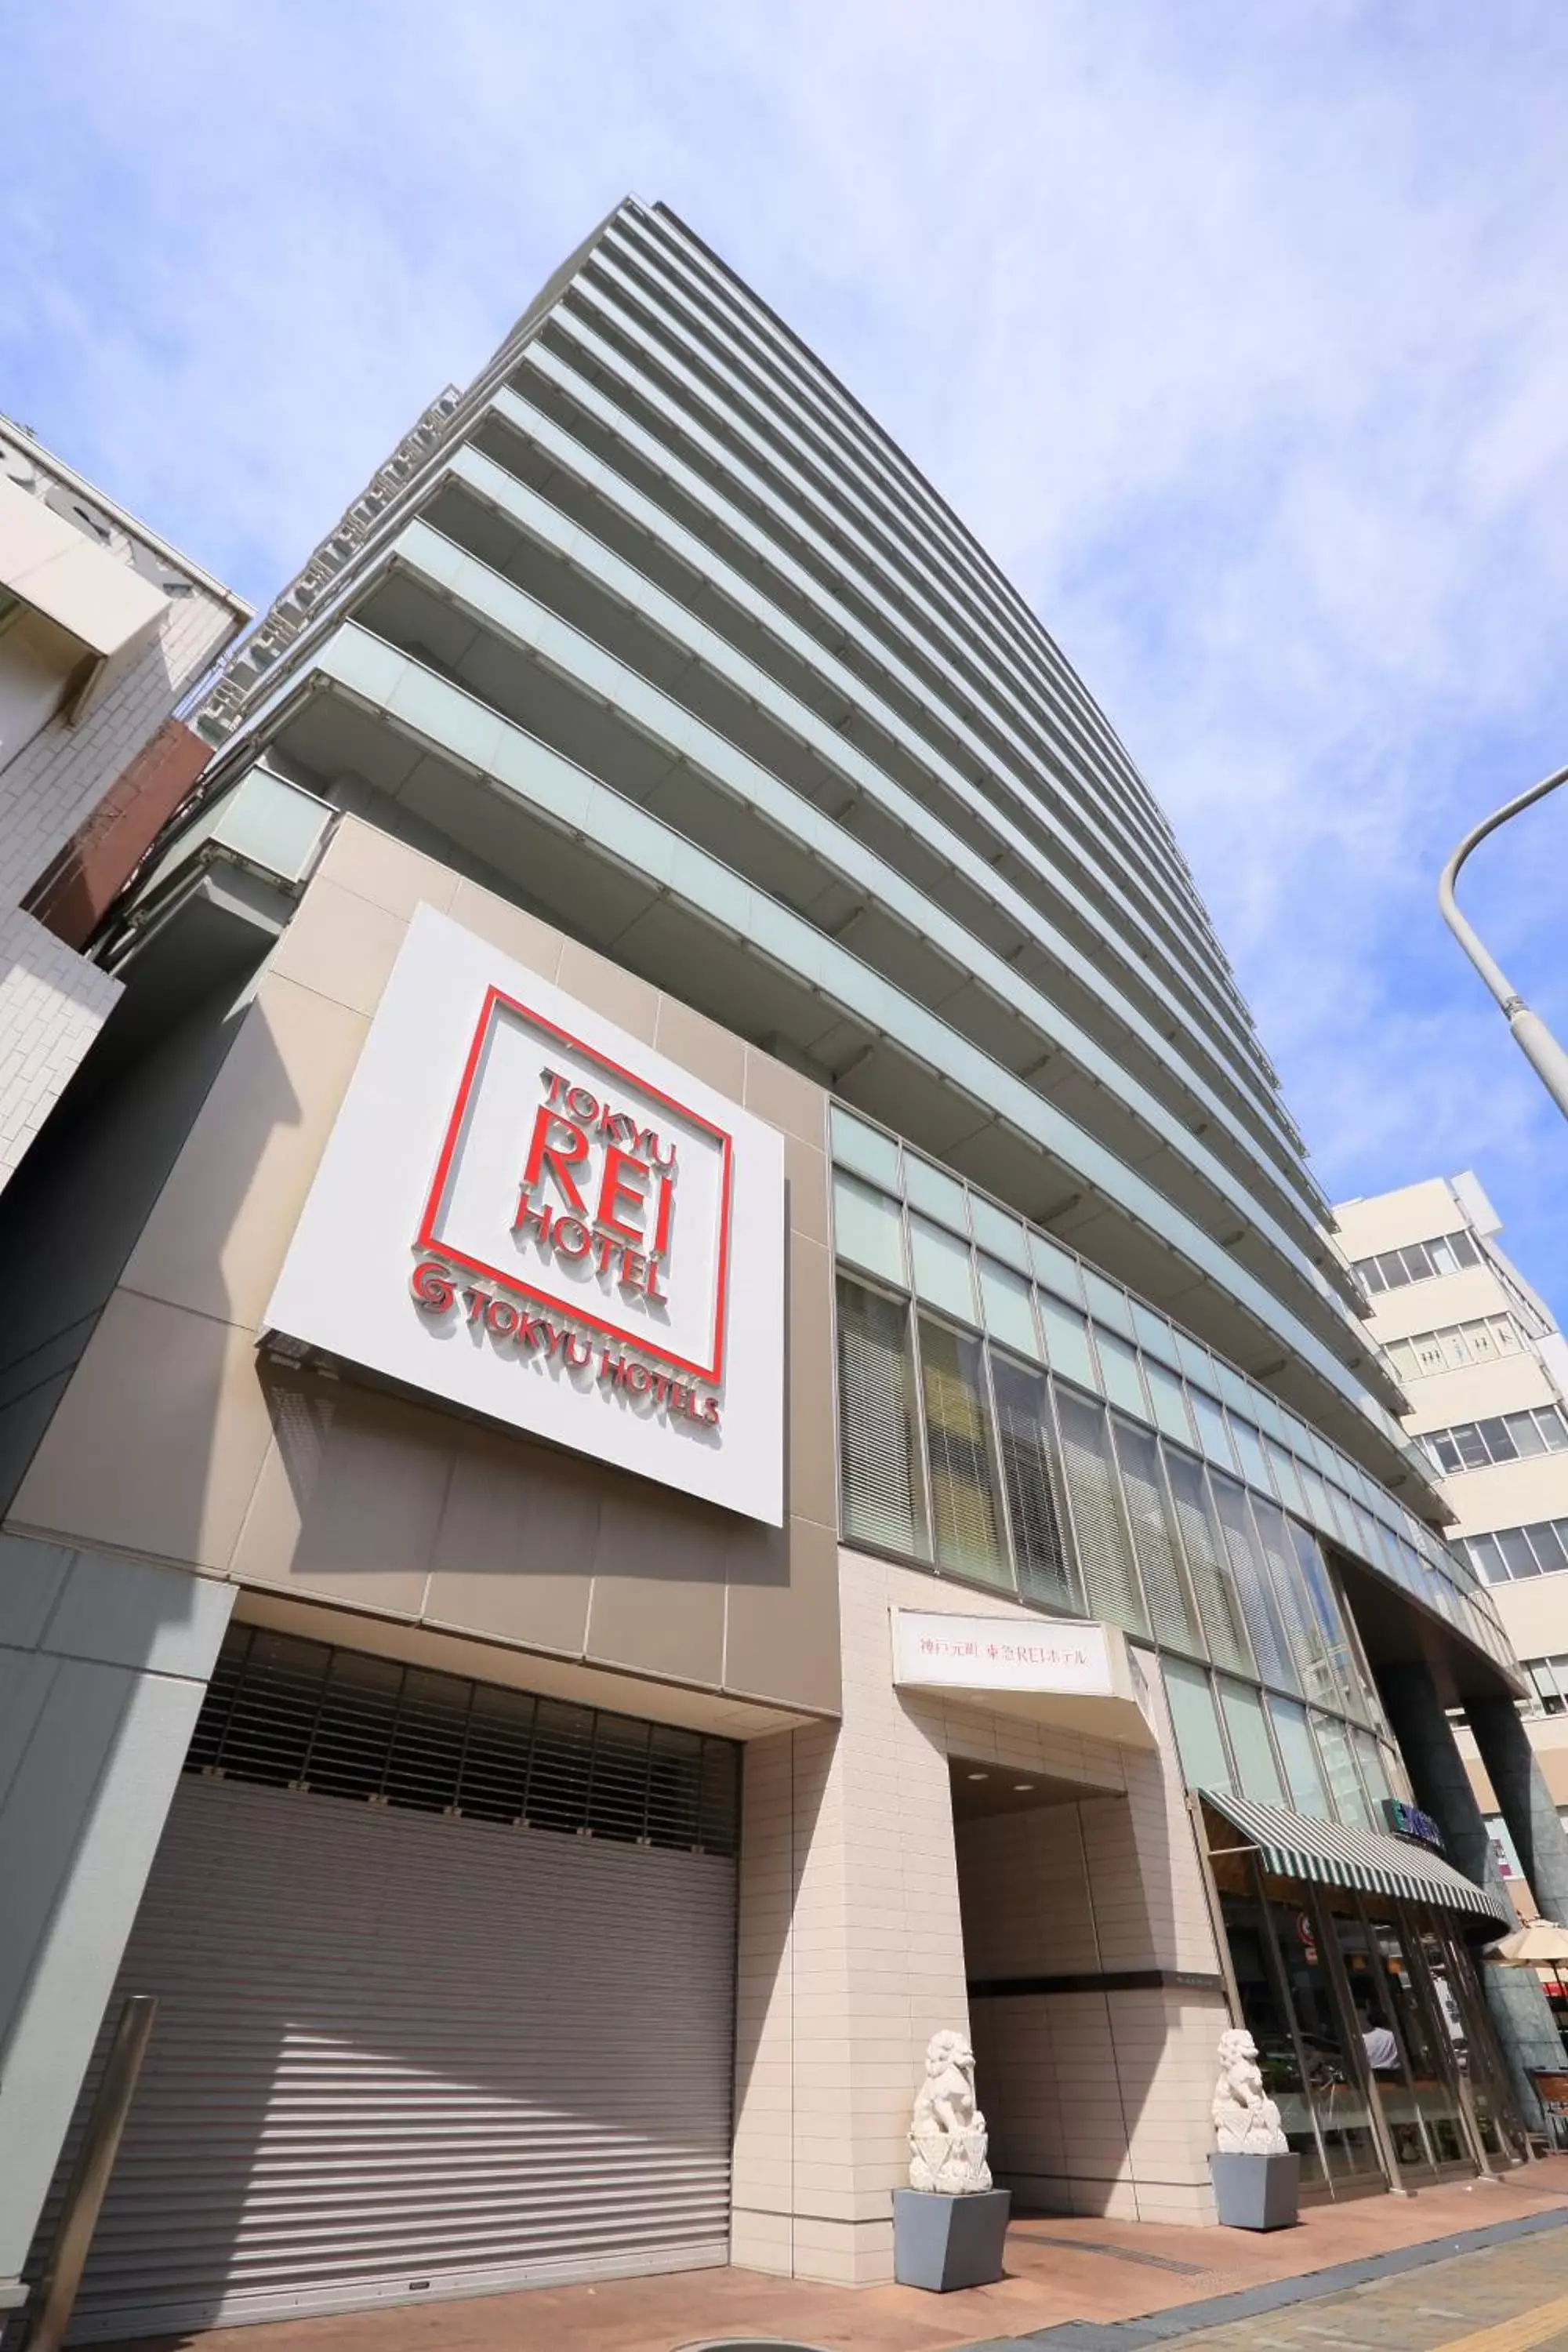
<point x="943" y="2242"/>
<point x="1257" y="2192"/>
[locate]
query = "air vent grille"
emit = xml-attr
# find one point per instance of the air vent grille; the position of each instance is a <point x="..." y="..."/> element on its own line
<point x="284" y="1713"/>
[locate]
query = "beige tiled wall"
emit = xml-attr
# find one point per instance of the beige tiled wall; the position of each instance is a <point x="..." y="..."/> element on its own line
<point x="334" y="1492"/>
<point x="853" y="1953"/>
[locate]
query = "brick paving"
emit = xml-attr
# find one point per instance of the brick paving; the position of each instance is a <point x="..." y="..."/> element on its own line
<point x="1069" y="2282"/>
<point x="1510" y="2298"/>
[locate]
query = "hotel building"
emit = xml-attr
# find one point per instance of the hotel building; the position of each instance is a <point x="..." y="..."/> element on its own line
<point x="677" y="1407"/>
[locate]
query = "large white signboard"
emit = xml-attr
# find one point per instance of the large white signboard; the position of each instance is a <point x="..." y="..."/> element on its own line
<point x="529" y="1213"/>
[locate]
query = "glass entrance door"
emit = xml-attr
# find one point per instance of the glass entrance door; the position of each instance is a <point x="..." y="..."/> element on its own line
<point x="1406" y="2044"/>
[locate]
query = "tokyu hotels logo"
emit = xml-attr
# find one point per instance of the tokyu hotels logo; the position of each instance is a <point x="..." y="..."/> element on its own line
<point x="578" y="1212"/>
<point x="526" y="1213"/>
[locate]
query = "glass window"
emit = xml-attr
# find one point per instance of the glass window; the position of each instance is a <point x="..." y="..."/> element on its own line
<point x="1219" y="1605"/>
<point x="1464" y="1249"/>
<point x="1154" y="1335"/>
<point x="927" y="1188"/>
<point x="1514" y="1545"/>
<point x="1249" y="1743"/>
<point x="1293" y="1604"/>
<point x="1335" y="1678"/>
<point x="1286" y="1479"/>
<point x="1249" y="1446"/>
<point x="1118" y="1371"/>
<point x="1103" y="1544"/>
<point x="1213" y="1435"/>
<point x="1194" y="1360"/>
<point x="1309" y="1794"/>
<point x="1009" y="1304"/>
<point x="1003" y="1235"/>
<point x="878" y="1427"/>
<point x="965" y="1522"/>
<point x="1168" y="1399"/>
<point x="1269" y="1645"/>
<point x="1339" y="1764"/>
<point x="1550" y="1423"/>
<point x="1194" y="1718"/>
<point x="1521" y="1437"/>
<point x="857" y="1146"/>
<point x="1031" y="1475"/>
<point x="943" y="1275"/>
<point x="1056" y="1267"/>
<point x="1067" y="1342"/>
<point x="869" y="1228"/>
<point x="1374" y="1780"/>
<point x="1546" y="1535"/>
<point x="1171" y="1608"/>
<point x="1107" y="1303"/>
<point x="1442" y="1258"/>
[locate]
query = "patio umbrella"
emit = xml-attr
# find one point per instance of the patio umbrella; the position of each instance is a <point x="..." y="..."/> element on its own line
<point x="1541" y="1944"/>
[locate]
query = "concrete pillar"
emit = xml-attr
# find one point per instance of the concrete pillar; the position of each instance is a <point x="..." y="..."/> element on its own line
<point x="1526" y="1803"/>
<point x="103" y="1666"/>
<point x="1519" y="2010"/>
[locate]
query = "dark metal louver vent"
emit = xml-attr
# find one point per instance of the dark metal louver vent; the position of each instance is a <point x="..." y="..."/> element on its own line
<point x="285" y="1713"/>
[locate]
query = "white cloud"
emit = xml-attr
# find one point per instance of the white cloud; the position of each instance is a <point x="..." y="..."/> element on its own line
<point x="1236" y="335"/>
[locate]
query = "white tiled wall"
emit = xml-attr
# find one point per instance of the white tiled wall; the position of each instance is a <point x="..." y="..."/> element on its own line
<point x="852" y="1954"/>
<point x="53" y="1003"/>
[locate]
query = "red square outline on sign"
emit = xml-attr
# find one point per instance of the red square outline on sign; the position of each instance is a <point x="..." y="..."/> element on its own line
<point x="427" y="1238"/>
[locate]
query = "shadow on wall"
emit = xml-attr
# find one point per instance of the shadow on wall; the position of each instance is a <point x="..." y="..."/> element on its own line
<point x="1093" y="2059"/>
<point x="104" y="1658"/>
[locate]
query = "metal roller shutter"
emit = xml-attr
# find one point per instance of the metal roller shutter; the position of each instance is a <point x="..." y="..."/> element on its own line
<point x="400" y="2054"/>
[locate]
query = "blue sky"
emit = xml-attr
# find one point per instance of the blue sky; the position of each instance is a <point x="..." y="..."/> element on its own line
<point x="1238" y="333"/>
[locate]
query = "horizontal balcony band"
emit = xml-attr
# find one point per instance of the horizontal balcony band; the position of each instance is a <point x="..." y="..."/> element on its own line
<point x="759" y="476"/>
<point x="543" y="523"/>
<point x="943" y="604"/>
<point x="535" y="632"/>
<point x="1119" y="918"/>
<point x="661" y="869"/>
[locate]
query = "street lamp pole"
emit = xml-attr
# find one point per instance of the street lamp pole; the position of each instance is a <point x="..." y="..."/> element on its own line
<point x="1533" y="1038"/>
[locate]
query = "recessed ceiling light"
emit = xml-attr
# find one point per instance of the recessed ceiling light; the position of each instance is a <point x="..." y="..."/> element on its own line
<point x="1021" y="1786"/>
<point x="977" y="1776"/>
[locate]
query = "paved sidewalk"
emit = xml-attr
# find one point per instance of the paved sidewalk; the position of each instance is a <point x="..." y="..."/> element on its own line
<point x="1072" y="2278"/>
<point x="1511" y="2297"/>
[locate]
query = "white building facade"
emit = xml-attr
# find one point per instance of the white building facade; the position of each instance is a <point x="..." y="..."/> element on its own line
<point x="1485" y="1368"/>
<point x="103" y="628"/>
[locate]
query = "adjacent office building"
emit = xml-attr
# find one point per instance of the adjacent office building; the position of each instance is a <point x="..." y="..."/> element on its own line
<point x="1485" y="1368"/>
<point x="678" y="1408"/>
<point x="103" y="628"/>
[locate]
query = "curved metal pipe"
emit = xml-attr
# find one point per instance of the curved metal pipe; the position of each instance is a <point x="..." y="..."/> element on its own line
<point x="1531" y="1033"/>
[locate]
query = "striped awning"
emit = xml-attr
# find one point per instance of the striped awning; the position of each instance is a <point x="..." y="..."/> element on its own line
<point x="1292" y="1846"/>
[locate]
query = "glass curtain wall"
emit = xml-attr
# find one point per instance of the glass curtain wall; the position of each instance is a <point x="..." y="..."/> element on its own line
<point x="984" y="1464"/>
<point x="1175" y="1430"/>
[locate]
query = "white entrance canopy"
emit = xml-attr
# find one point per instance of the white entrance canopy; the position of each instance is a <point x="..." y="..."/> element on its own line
<point x="1058" y="1670"/>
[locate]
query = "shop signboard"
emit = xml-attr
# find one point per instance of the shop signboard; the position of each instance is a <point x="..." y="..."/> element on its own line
<point x="532" y="1215"/>
<point x="1408" y="1821"/>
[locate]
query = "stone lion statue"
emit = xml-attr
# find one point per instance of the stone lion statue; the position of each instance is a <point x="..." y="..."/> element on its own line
<point x="1245" y="2122"/>
<point x="947" y="2138"/>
